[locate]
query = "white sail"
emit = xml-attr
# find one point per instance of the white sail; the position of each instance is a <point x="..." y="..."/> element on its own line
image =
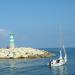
<point x="65" y="57"/>
<point x="60" y="54"/>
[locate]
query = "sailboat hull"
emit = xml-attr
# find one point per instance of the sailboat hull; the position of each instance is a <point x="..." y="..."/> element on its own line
<point x="58" y="64"/>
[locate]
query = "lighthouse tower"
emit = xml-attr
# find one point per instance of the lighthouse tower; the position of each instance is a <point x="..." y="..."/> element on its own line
<point x="12" y="45"/>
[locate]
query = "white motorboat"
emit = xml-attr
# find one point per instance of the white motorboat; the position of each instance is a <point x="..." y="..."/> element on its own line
<point x="60" y="61"/>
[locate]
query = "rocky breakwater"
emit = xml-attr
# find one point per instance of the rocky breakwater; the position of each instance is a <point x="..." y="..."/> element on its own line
<point x="28" y="53"/>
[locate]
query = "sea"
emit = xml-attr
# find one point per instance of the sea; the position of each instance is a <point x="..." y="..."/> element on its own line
<point x="38" y="66"/>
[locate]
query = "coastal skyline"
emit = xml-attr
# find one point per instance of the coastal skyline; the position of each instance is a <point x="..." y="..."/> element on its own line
<point x="36" y="23"/>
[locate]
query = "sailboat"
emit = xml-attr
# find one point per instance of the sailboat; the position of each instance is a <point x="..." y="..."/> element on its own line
<point x="61" y="60"/>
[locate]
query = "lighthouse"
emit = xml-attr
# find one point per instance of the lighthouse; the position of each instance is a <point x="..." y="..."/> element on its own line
<point x="12" y="44"/>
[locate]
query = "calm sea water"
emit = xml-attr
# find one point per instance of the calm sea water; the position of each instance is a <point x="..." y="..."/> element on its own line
<point x="38" y="66"/>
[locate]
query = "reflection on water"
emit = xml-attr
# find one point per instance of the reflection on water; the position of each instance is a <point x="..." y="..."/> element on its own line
<point x="12" y="64"/>
<point x="61" y="70"/>
<point x="27" y="67"/>
<point x="15" y="65"/>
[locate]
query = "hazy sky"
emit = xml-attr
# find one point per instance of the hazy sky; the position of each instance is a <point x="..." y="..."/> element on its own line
<point x="36" y="23"/>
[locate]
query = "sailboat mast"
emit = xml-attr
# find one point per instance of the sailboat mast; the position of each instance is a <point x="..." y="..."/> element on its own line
<point x="61" y="41"/>
<point x="62" y="44"/>
<point x="61" y="36"/>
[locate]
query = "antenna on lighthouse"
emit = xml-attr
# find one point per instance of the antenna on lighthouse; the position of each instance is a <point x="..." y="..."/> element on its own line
<point x="12" y="44"/>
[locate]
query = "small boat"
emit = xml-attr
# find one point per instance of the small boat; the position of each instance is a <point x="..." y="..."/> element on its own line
<point x="60" y="61"/>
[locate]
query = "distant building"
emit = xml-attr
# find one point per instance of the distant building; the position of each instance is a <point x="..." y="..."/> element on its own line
<point x="12" y="44"/>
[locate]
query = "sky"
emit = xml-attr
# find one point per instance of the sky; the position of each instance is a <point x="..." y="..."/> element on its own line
<point x="36" y="23"/>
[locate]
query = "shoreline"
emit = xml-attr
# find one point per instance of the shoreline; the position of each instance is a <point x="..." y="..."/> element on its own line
<point x="24" y="53"/>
